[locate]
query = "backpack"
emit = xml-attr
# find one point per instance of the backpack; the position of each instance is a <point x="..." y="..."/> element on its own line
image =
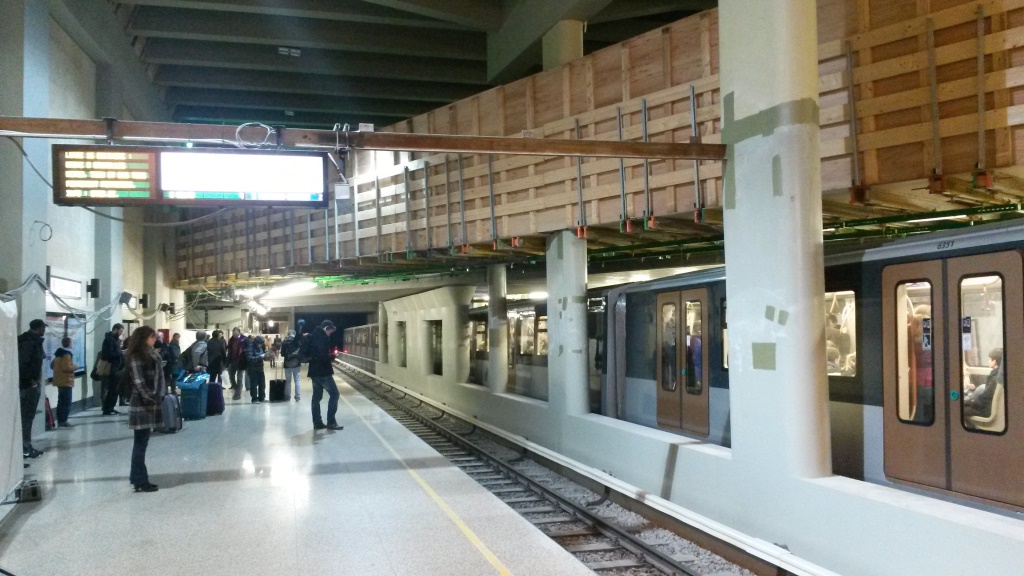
<point x="304" y="352"/>
<point x="187" y="363"/>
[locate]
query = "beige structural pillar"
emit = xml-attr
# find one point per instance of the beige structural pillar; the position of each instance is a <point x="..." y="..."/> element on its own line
<point x="497" y="329"/>
<point x="777" y="380"/>
<point x="563" y="43"/>
<point x="568" y="384"/>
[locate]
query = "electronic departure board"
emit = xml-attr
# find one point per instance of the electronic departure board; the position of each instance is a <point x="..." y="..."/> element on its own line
<point x="91" y="175"/>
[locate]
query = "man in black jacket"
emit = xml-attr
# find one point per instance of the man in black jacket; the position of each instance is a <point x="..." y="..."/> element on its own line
<point x="30" y="372"/>
<point x="111" y="352"/>
<point x="321" y="372"/>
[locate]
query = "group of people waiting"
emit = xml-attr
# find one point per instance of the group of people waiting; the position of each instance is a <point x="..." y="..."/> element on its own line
<point x="146" y="369"/>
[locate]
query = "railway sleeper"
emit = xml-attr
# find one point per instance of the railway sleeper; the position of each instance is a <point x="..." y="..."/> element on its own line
<point x="614" y="564"/>
<point x="570" y="533"/>
<point x="524" y="500"/>
<point x="552" y="520"/>
<point x="598" y="547"/>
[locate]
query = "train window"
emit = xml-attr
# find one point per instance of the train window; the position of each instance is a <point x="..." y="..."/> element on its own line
<point x="982" y="339"/>
<point x="400" y="344"/>
<point x="526" y="334"/>
<point x="542" y="336"/>
<point x="916" y="396"/>
<point x="725" y="337"/>
<point x="435" y="337"/>
<point x="841" y="333"/>
<point x="694" y="359"/>
<point x="669" y="351"/>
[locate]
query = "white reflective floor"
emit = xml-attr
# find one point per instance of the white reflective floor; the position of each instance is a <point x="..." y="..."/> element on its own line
<point x="257" y="491"/>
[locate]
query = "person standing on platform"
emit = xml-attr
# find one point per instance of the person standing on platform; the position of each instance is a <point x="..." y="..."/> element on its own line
<point x="111" y="353"/>
<point x="236" y="362"/>
<point x="64" y="369"/>
<point x="216" y="350"/>
<point x="148" y="389"/>
<point x="254" y="354"/>
<point x="321" y="372"/>
<point x="30" y="372"/>
<point x="292" y="363"/>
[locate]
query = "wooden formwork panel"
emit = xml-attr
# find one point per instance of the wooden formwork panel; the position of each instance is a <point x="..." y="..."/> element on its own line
<point x="887" y="42"/>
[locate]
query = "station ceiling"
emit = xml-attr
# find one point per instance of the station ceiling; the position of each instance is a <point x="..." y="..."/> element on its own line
<point x="315" y="63"/>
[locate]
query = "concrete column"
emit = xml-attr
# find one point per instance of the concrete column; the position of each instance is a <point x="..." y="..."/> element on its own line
<point x="778" y="386"/>
<point x="497" y="329"/>
<point x="563" y="43"/>
<point x="567" y="324"/>
<point x="382" y="334"/>
<point x="25" y="91"/>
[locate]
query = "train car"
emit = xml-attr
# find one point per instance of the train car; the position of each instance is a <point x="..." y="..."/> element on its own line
<point x="932" y="320"/>
<point x="528" y="348"/>
<point x="361" y="345"/>
<point x="930" y="404"/>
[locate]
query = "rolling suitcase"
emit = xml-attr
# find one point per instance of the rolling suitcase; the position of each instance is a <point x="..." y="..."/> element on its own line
<point x="171" y="408"/>
<point x="278" y="390"/>
<point x="195" y="389"/>
<point x="215" y="400"/>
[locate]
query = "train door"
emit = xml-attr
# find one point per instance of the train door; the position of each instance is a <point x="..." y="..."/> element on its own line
<point x="682" y="373"/>
<point x="945" y="332"/>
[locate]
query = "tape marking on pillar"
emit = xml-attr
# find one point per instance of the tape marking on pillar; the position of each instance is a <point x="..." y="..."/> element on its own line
<point x="803" y="112"/>
<point x="769" y="313"/>
<point x="763" y="354"/>
<point x="783" y="317"/>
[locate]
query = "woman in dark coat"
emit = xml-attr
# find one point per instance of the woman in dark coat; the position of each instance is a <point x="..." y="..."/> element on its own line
<point x="148" y="389"/>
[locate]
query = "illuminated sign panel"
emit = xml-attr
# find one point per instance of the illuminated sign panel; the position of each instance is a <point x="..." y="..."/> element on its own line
<point x="142" y="176"/>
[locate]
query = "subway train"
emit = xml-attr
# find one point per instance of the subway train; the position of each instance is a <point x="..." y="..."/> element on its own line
<point x="931" y="404"/>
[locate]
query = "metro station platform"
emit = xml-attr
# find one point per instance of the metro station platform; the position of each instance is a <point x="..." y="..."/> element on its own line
<point x="258" y="491"/>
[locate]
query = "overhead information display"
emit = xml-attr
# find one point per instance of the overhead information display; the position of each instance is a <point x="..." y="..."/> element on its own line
<point x="89" y="175"/>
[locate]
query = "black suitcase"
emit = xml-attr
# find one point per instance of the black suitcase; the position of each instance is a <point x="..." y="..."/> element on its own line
<point x="277" y="391"/>
<point x="215" y="400"/>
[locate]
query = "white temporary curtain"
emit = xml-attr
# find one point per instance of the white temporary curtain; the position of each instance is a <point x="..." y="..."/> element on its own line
<point x="11" y="461"/>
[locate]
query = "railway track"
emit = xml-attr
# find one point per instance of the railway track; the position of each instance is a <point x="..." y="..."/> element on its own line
<point x="598" y="544"/>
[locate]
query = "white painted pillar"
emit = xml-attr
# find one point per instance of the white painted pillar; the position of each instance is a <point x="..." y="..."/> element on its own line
<point x="562" y="44"/>
<point x="567" y="324"/>
<point x="778" y="386"/>
<point x="497" y="329"/>
<point x="25" y="91"/>
<point x="382" y="333"/>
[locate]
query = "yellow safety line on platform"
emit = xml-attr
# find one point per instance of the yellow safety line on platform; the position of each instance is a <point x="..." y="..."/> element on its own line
<point x="436" y="498"/>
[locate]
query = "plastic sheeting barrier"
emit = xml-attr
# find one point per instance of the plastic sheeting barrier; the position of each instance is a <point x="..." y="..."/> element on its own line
<point x="11" y="460"/>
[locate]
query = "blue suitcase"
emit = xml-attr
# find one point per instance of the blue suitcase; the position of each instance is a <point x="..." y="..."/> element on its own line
<point x="194" y="389"/>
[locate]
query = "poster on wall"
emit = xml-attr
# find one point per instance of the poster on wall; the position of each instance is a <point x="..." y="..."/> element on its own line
<point x="57" y="327"/>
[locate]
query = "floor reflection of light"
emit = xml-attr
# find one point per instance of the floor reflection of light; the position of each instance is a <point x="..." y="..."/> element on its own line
<point x="285" y="474"/>
<point x="248" y="465"/>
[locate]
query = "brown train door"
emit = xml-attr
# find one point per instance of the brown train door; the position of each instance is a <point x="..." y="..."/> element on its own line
<point x="942" y="320"/>
<point x="986" y="305"/>
<point x="682" y="368"/>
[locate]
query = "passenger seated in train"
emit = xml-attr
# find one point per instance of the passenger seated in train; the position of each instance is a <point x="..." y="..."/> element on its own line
<point x="979" y="401"/>
<point x="833" y="359"/>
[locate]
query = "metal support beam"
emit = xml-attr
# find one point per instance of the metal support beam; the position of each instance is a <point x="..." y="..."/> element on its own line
<point x="330" y="139"/>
